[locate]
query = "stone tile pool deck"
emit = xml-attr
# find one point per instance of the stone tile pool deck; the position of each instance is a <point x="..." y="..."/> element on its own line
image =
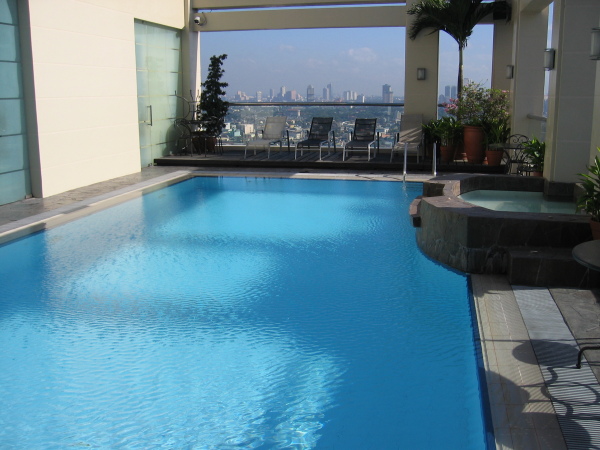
<point x="529" y="335"/>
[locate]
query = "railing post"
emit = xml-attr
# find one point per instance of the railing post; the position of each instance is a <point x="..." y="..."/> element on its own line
<point x="405" y="159"/>
<point x="434" y="168"/>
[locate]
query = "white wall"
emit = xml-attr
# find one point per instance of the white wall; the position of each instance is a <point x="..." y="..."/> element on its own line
<point x="84" y="77"/>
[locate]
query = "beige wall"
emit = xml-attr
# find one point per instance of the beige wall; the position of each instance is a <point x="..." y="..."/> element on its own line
<point x="84" y="77"/>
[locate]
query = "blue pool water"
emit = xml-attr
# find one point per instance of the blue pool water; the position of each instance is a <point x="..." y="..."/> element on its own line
<point x="223" y="313"/>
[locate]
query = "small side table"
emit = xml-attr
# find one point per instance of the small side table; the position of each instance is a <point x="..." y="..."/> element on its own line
<point x="588" y="255"/>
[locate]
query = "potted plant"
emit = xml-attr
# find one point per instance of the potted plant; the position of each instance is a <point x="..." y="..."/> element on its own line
<point x="450" y="131"/>
<point x="535" y="151"/>
<point x="475" y="108"/>
<point x="589" y="201"/>
<point x="212" y="109"/>
<point x="496" y="135"/>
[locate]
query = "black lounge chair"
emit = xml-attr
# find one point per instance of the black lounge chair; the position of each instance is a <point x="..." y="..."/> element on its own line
<point x="318" y="136"/>
<point x="364" y="138"/>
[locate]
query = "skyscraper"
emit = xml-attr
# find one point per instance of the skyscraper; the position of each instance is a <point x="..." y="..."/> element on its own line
<point x="387" y="94"/>
<point x="310" y="93"/>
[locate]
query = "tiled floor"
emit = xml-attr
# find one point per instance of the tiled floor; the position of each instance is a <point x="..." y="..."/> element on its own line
<point x="519" y="326"/>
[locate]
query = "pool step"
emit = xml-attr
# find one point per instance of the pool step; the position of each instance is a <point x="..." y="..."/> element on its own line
<point x="414" y="212"/>
<point x="549" y="267"/>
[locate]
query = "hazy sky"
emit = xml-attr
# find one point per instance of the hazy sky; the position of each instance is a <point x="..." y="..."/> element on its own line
<point x="351" y="59"/>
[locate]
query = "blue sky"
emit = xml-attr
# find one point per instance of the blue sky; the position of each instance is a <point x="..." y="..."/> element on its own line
<point x="356" y="59"/>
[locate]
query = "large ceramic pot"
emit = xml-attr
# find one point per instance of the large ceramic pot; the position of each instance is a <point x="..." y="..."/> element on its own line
<point x="447" y="153"/>
<point x="595" y="226"/>
<point x="473" y="141"/>
<point x="494" y="157"/>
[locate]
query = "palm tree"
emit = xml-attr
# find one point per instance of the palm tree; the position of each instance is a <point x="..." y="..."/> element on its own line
<point x="455" y="17"/>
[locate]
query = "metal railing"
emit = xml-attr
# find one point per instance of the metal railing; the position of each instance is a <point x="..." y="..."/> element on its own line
<point x="247" y="119"/>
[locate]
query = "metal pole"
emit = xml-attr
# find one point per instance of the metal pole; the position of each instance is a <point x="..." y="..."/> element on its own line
<point x="405" y="159"/>
<point x="433" y="170"/>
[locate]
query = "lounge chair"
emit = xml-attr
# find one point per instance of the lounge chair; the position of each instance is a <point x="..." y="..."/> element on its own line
<point x="318" y="136"/>
<point x="364" y="138"/>
<point x="272" y="134"/>
<point x="410" y="136"/>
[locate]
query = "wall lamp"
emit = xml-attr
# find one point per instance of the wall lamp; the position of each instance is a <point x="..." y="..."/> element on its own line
<point x="421" y="73"/>
<point x="510" y="71"/>
<point x="549" y="54"/>
<point x="595" y="54"/>
<point x="200" y="20"/>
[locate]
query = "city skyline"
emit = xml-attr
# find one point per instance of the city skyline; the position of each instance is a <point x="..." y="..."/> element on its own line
<point x="360" y="60"/>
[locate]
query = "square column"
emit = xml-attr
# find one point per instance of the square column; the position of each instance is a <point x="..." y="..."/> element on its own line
<point x="420" y="96"/>
<point x="572" y="84"/>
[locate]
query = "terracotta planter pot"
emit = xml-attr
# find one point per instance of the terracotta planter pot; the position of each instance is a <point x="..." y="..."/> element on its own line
<point x="494" y="157"/>
<point x="473" y="142"/>
<point x="447" y="153"/>
<point x="595" y="226"/>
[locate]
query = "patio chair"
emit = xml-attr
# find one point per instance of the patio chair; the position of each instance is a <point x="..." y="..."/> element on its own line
<point x="272" y="134"/>
<point x="318" y="136"/>
<point x="410" y="136"/>
<point x="183" y="144"/>
<point x="364" y="138"/>
<point x="515" y="160"/>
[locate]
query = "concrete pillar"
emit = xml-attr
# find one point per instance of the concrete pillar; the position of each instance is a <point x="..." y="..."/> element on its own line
<point x="571" y="102"/>
<point x="528" y="40"/>
<point x="190" y="50"/>
<point x="420" y="96"/>
<point x="596" y="114"/>
<point x="502" y="54"/>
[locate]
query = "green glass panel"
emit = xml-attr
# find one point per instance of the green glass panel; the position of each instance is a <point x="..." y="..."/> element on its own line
<point x="12" y="117"/>
<point x="14" y="186"/>
<point x="9" y="43"/>
<point x="8" y="11"/>
<point x="11" y="85"/>
<point x="13" y="153"/>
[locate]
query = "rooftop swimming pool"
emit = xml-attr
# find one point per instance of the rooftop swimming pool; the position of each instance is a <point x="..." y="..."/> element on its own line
<point x="224" y="312"/>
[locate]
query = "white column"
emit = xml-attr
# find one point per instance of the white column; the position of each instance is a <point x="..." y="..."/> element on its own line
<point x="596" y="114"/>
<point x="528" y="40"/>
<point x="421" y="96"/>
<point x="572" y="84"/>
<point x="190" y="51"/>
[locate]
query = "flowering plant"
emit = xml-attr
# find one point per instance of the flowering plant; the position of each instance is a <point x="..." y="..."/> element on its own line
<point x="482" y="107"/>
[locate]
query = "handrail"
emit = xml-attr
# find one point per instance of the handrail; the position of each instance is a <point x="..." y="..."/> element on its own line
<point x="536" y="117"/>
<point x="396" y="105"/>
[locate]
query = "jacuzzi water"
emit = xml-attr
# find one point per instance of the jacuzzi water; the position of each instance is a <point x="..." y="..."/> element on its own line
<point x="517" y="201"/>
<point x="223" y="313"/>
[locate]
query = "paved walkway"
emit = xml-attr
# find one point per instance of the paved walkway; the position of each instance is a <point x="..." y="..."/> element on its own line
<point x="529" y="336"/>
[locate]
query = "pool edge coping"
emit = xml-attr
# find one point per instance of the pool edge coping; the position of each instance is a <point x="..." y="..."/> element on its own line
<point x="514" y="387"/>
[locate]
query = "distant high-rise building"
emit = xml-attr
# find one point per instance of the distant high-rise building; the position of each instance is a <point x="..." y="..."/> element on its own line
<point x="282" y="91"/>
<point x="271" y="94"/>
<point x="310" y="93"/>
<point x="325" y="94"/>
<point x="330" y="92"/>
<point x="387" y="94"/>
<point x="258" y="96"/>
<point x="291" y="96"/>
<point x="447" y="91"/>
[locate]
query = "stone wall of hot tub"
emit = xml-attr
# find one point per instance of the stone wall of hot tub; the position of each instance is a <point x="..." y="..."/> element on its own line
<point x="473" y="239"/>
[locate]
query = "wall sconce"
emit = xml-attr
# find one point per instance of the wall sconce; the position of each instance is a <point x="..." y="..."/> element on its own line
<point x="421" y="73"/>
<point x="200" y="20"/>
<point x="510" y="71"/>
<point x="549" y="58"/>
<point x="595" y="54"/>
